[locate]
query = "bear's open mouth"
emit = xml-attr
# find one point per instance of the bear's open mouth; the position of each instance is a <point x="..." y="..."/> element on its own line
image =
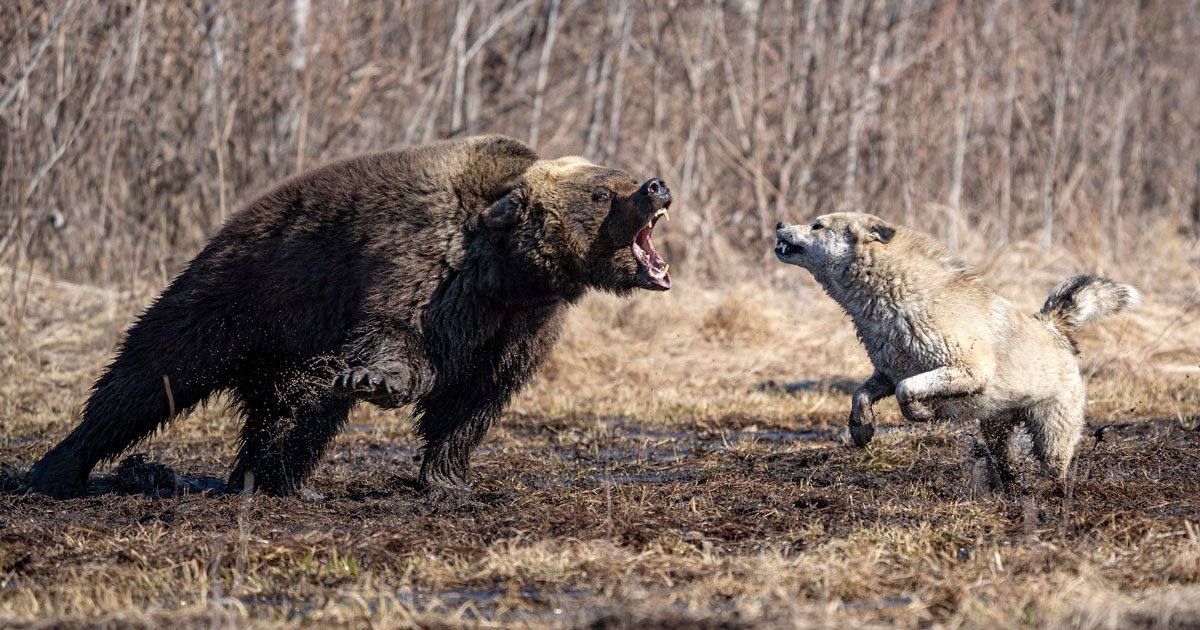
<point x="651" y="267"/>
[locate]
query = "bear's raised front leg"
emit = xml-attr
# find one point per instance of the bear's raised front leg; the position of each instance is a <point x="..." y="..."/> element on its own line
<point x="387" y="366"/>
<point x="862" y="415"/>
<point x="388" y="384"/>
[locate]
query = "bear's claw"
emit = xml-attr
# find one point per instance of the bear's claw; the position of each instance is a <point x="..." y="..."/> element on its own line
<point x="371" y="385"/>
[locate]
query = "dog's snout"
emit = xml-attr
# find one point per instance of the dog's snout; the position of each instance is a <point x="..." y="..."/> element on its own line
<point x="780" y="226"/>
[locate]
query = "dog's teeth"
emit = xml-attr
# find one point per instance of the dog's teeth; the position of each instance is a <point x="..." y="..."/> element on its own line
<point x="665" y="268"/>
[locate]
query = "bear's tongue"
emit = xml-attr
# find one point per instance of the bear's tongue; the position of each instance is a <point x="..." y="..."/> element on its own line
<point x="651" y="266"/>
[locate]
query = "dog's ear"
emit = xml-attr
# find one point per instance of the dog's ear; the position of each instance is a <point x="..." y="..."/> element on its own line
<point x="876" y="230"/>
<point x="883" y="232"/>
<point x="506" y="211"/>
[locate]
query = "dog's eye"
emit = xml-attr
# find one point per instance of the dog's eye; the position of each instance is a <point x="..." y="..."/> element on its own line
<point x="601" y="195"/>
<point x="817" y="226"/>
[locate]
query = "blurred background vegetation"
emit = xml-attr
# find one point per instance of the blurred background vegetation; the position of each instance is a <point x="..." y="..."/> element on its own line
<point x="130" y="129"/>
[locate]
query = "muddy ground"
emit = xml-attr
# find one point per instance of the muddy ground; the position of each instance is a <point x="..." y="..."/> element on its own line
<point x="615" y="522"/>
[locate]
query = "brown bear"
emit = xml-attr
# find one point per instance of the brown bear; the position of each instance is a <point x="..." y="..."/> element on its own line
<point x="436" y="276"/>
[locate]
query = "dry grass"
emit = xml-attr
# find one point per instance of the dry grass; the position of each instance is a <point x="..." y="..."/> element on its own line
<point x="680" y="463"/>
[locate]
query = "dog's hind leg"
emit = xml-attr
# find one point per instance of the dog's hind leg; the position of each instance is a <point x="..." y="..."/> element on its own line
<point x="1056" y="427"/>
<point x="997" y="435"/>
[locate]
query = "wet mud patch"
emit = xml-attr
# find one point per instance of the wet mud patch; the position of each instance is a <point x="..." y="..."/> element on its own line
<point x="134" y="475"/>
<point x="613" y="522"/>
<point x="840" y="385"/>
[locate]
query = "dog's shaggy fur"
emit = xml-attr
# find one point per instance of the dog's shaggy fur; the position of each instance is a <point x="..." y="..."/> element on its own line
<point x="436" y="276"/>
<point x="945" y="344"/>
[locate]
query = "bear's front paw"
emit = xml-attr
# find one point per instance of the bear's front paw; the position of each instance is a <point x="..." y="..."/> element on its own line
<point x="380" y="388"/>
<point x="448" y="494"/>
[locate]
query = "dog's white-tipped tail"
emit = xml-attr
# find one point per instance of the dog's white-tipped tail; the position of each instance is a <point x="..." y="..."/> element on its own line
<point x="1084" y="298"/>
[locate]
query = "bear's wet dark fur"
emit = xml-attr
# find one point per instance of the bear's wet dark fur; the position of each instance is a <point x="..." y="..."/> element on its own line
<point x="436" y="275"/>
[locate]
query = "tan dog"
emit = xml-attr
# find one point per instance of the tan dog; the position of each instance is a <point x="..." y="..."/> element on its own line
<point x="948" y="346"/>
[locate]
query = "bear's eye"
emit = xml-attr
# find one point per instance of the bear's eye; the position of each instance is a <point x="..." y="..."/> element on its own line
<point x="601" y="195"/>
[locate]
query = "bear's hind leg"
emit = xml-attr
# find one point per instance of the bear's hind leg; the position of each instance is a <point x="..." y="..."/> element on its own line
<point x="282" y="444"/>
<point x="128" y="403"/>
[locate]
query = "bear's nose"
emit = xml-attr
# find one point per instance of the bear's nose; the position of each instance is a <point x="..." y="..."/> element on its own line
<point x="655" y="187"/>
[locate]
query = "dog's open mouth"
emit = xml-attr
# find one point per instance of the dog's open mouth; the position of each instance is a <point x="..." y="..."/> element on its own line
<point x="651" y="267"/>
<point x="784" y="248"/>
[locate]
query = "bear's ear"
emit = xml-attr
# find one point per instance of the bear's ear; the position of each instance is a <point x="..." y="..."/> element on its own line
<point x="505" y="212"/>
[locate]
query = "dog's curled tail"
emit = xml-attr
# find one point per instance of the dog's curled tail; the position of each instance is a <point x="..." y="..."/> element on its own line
<point x="1084" y="298"/>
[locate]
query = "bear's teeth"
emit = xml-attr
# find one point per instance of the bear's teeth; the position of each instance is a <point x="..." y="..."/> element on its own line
<point x="662" y="213"/>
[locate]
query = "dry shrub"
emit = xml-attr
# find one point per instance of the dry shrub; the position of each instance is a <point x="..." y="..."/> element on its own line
<point x="738" y="318"/>
<point x="129" y="129"/>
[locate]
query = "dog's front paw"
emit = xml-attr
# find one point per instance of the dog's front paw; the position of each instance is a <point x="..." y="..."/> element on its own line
<point x="916" y="411"/>
<point x="862" y="434"/>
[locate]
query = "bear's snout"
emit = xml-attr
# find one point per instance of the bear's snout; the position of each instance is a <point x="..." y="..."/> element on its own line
<point x="658" y="192"/>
